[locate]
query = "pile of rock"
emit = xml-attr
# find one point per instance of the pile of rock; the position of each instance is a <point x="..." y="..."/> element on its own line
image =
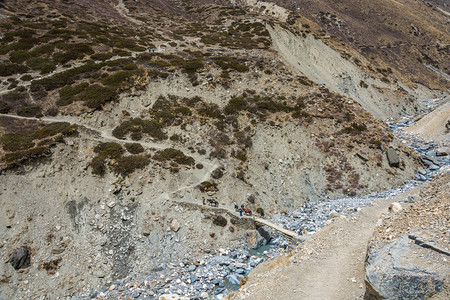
<point x="214" y="274"/>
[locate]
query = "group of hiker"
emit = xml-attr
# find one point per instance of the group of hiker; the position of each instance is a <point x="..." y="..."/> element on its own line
<point x="242" y="209"/>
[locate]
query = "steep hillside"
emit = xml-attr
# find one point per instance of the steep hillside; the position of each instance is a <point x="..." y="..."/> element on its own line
<point x="117" y="117"/>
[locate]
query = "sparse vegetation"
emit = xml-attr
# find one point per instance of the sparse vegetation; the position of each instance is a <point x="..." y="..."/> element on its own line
<point x="134" y="148"/>
<point x="109" y="150"/>
<point x="171" y="154"/>
<point x="220" y="221"/>
<point x="150" y="127"/>
<point x="127" y="164"/>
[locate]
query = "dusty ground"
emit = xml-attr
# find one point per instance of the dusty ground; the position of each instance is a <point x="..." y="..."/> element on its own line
<point x="329" y="266"/>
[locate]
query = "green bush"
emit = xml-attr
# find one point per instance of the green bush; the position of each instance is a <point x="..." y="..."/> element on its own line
<point x="26" y="77"/>
<point x="149" y="127"/>
<point x="235" y="104"/>
<point x="29" y="111"/>
<point x="16" y="141"/>
<point x="15" y="157"/>
<point x="41" y="64"/>
<point x="109" y="150"/>
<point x="126" y="165"/>
<point x="102" y="56"/>
<point x="4" y="107"/>
<point x="11" y="69"/>
<point x="241" y="155"/>
<point x="74" y="51"/>
<point x="19" y="56"/>
<point x="220" y="221"/>
<point x="115" y="80"/>
<point x="98" y="165"/>
<point x="174" y="155"/>
<point x="227" y="63"/>
<point x="260" y="211"/>
<point x="46" y="49"/>
<point x="52" y="129"/>
<point x="95" y="95"/>
<point x="192" y="66"/>
<point x="210" y="110"/>
<point x="206" y="186"/>
<point x="134" y="148"/>
<point x="64" y="78"/>
<point x="67" y="93"/>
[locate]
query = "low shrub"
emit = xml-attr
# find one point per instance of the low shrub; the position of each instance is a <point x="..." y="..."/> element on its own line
<point x="171" y="154"/>
<point x="134" y="148"/>
<point x="192" y="66"/>
<point x="65" y="78"/>
<point x="150" y="127"/>
<point x="240" y="154"/>
<point x="98" y="165"/>
<point x="260" y="211"/>
<point x="19" y="156"/>
<point x="29" y="111"/>
<point x="4" y="107"/>
<point x="67" y="93"/>
<point x="46" y="49"/>
<point x="210" y="110"/>
<point x="95" y="95"/>
<point x="235" y="104"/>
<point x="206" y="186"/>
<point x="51" y="129"/>
<point x="117" y="79"/>
<point x="109" y="150"/>
<point x="128" y="164"/>
<point x="26" y="77"/>
<point x="16" y="141"/>
<point x="363" y="84"/>
<point x="230" y="63"/>
<point x="220" y="221"/>
<point x="7" y="69"/>
<point x="41" y="64"/>
<point x="102" y="56"/>
<point x="19" y="56"/>
<point x="355" y="128"/>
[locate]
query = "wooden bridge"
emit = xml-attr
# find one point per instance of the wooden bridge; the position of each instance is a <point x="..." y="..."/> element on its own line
<point x="289" y="234"/>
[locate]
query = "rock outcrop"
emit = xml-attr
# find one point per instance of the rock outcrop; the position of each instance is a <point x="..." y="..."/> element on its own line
<point x="408" y="255"/>
<point x="392" y="156"/>
<point x="404" y="270"/>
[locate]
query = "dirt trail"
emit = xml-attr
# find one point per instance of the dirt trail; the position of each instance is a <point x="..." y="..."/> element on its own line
<point x="328" y="266"/>
<point x="123" y="11"/>
<point x="106" y="135"/>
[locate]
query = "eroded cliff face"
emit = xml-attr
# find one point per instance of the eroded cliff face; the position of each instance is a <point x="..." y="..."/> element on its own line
<point x="311" y="57"/>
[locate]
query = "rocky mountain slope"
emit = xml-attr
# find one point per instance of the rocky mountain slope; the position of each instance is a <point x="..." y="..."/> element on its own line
<point x="117" y="117"/>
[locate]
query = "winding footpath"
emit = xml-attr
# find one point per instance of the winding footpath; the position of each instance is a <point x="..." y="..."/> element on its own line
<point x="105" y="135"/>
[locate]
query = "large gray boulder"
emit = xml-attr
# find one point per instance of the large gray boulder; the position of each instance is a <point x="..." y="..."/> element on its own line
<point x="393" y="159"/>
<point x="405" y="269"/>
